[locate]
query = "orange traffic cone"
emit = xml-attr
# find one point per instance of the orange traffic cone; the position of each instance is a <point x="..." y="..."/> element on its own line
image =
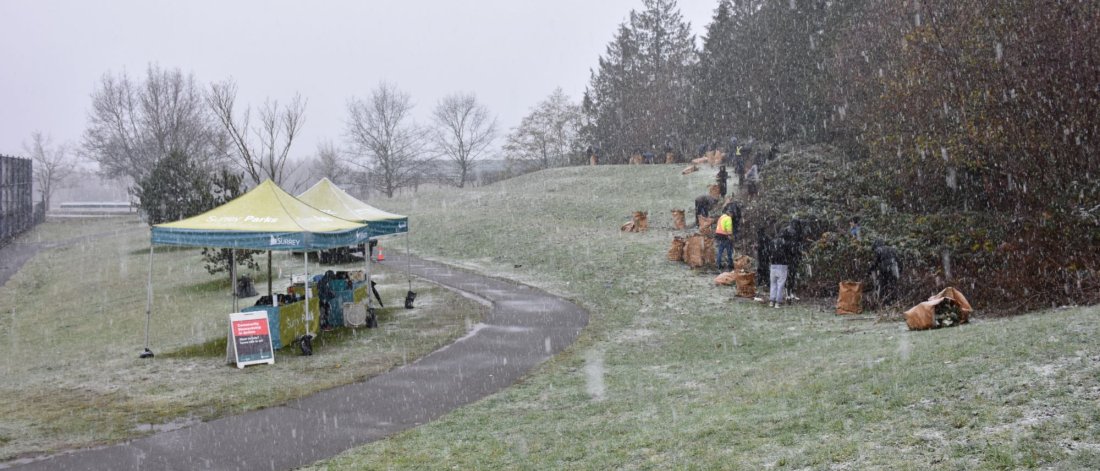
<point x="381" y="256"/>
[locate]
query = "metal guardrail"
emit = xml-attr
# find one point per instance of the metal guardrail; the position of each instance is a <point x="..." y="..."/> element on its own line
<point x="97" y="206"/>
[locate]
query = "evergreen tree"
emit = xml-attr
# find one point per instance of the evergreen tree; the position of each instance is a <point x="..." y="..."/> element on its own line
<point x="764" y="67"/>
<point x="638" y="97"/>
<point x="175" y="188"/>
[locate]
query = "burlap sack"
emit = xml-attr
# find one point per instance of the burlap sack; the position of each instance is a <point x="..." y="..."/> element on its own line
<point x="725" y="279"/>
<point x="923" y="315"/>
<point x="964" y="305"/>
<point x="670" y="157"/>
<point x="592" y="160"/>
<point x="676" y="252"/>
<point x="714" y="191"/>
<point x="710" y="252"/>
<point x="691" y="169"/>
<point x="743" y="263"/>
<point x="693" y="250"/>
<point x="636" y="159"/>
<point x="746" y="284"/>
<point x="678" y="219"/>
<point x="849" y="298"/>
<point x="715" y="157"/>
<point x="641" y="221"/>
<point x="706" y="225"/>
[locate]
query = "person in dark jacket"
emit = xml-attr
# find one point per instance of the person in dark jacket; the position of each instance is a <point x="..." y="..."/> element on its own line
<point x="324" y="290"/>
<point x="722" y="178"/>
<point x="739" y="169"/>
<point x="885" y="272"/>
<point x="781" y="258"/>
<point x="703" y="206"/>
<point x="734" y="210"/>
<point x="797" y="239"/>
<point x="763" y="256"/>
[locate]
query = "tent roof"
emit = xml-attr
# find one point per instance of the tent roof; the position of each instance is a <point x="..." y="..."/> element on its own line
<point x="264" y="218"/>
<point x="328" y="197"/>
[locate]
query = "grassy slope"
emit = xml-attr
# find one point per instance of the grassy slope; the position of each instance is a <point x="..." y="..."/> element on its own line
<point x="673" y="373"/>
<point x="73" y="321"/>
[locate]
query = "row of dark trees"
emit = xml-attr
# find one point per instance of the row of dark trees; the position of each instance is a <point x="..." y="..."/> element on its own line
<point x="963" y="110"/>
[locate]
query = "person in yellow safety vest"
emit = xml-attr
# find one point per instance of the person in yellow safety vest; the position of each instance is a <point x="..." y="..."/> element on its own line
<point x="723" y="238"/>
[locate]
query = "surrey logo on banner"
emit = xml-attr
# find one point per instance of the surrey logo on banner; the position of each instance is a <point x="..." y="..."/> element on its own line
<point x="275" y="240"/>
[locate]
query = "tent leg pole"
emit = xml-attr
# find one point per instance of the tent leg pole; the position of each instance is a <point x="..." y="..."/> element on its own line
<point x="233" y="277"/>
<point x="305" y="256"/>
<point x="366" y="270"/>
<point x="408" y="262"/>
<point x="148" y="304"/>
<point x="269" y="292"/>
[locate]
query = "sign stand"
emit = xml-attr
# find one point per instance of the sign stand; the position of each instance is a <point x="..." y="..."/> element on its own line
<point x="250" y="339"/>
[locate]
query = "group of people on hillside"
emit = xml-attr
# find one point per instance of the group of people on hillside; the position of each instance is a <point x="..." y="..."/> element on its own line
<point x="779" y="256"/>
<point x="779" y="260"/>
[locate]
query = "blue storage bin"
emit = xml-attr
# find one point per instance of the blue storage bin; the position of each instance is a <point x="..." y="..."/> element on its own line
<point x="272" y="323"/>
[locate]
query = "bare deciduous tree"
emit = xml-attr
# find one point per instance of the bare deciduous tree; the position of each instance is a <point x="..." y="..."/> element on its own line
<point x="385" y="140"/>
<point x="131" y="125"/>
<point x="261" y="151"/>
<point x="329" y="163"/>
<point x="52" y="164"/>
<point x="548" y="135"/>
<point x="464" y="129"/>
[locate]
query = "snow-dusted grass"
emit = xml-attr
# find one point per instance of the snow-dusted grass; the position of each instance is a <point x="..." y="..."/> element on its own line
<point x="73" y="325"/>
<point x="674" y="373"/>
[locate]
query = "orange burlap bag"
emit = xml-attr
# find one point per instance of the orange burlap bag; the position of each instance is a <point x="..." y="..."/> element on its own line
<point x="964" y="306"/>
<point x="714" y="191"/>
<point x="592" y="160"/>
<point x="678" y="219"/>
<point x="636" y="159"/>
<point x="693" y="250"/>
<point x="715" y="157"/>
<point x="746" y="284"/>
<point x="706" y="225"/>
<point x="923" y="315"/>
<point x="743" y="263"/>
<point x="849" y="298"/>
<point x="676" y="252"/>
<point x="710" y="252"/>
<point x="691" y="169"/>
<point x="725" y="279"/>
<point x="670" y="157"/>
<point x="641" y="221"/>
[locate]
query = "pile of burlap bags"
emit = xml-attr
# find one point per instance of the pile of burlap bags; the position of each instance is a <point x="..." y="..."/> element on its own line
<point x="743" y="276"/>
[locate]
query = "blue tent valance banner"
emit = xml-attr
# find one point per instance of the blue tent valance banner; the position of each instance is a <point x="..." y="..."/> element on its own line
<point x="297" y="241"/>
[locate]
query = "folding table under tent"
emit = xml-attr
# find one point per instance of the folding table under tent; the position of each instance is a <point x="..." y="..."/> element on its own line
<point x="264" y="218"/>
<point x="327" y="197"/>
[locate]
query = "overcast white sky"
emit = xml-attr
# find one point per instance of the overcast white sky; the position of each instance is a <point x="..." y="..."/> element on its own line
<point x="511" y="53"/>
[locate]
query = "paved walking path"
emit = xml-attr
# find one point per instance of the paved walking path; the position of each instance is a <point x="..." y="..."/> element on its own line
<point x="15" y="254"/>
<point x="524" y="328"/>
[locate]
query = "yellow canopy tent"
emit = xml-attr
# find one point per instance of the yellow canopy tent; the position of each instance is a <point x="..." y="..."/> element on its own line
<point x="327" y="197"/>
<point x="264" y="218"/>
